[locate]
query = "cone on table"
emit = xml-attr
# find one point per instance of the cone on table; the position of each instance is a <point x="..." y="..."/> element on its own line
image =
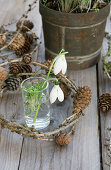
<point x="62" y="139"/>
<point x="82" y="98"/>
<point x="27" y="23"/>
<point x="66" y="90"/>
<point x="26" y="69"/>
<point x="28" y="37"/>
<point x="15" y="68"/>
<point x="105" y="102"/>
<point x="24" y="49"/>
<point x="27" y="59"/>
<point x="3" y="39"/>
<point x="12" y="83"/>
<point x="17" y="43"/>
<point x="3" y="74"/>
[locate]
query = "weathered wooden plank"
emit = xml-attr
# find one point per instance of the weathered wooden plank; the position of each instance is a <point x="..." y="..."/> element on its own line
<point x="83" y="152"/>
<point x="105" y="118"/>
<point x="10" y="143"/>
<point x="10" y="104"/>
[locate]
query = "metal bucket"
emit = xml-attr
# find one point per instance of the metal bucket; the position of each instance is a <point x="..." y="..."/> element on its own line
<point x="80" y="34"/>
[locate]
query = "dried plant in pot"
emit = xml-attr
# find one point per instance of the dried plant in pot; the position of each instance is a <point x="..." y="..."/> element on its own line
<point x="77" y="26"/>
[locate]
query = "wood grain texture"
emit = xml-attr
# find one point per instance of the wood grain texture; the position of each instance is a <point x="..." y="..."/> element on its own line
<point x="83" y="151"/>
<point x="105" y="118"/>
<point x="10" y="143"/>
<point x="11" y="104"/>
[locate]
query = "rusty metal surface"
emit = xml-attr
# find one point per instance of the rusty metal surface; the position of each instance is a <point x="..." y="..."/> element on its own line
<point x="79" y="34"/>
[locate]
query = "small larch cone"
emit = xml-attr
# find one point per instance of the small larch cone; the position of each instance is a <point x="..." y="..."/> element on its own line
<point x="102" y="4"/>
<point x="20" y="52"/>
<point x="48" y="63"/>
<point x="28" y="37"/>
<point x="3" y="39"/>
<point x="62" y="139"/>
<point x="82" y="98"/>
<point x="105" y="102"/>
<point x="15" y="68"/>
<point x="0" y="85"/>
<point x="12" y="83"/>
<point x="26" y="24"/>
<point x="26" y="69"/>
<point x="25" y="49"/>
<point x="18" y="42"/>
<point x="27" y="59"/>
<point x="3" y="74"/>
<point x="66" y="90"/>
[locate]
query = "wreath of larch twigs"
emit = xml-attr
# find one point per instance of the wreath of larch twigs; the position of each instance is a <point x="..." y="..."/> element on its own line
<point x="59" y="134"/>
<point x="32" y="132"/>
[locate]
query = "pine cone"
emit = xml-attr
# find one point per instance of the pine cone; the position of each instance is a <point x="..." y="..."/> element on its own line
<point x="28" y="37"/>
<point x="82" y="98"/>
<point x="3" y="74"/>
<point x="63" y="139"/>
<point x="20" y="52"/>
<point x="3" y="39"/>
<point x="102" y="4"/>
<point x="18" y="42"/>
<point x="15" y="68"/>
<point x="0" y="85"/>
<point x="66" y="90"/>
<point x="12" y="83"/>
<point x="26" y="23"/>
<point x="48" y="63"/>
<point x="105" y="102"/>
<point x="2" y="30"/>
<point x="27" y="59"/>
<point x="24" y="49"/>
<point x="26" y="69"/>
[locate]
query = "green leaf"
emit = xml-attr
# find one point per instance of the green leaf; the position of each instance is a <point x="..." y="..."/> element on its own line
<point x="27" y="114"/>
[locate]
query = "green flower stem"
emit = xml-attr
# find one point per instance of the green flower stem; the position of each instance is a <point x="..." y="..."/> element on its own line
<point x="47" y="79"/>
<point x="36" y="112"/>
<point x="41" y="96"/>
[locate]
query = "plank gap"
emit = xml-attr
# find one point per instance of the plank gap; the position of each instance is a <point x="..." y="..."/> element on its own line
<point x="21" y="153"/>
<point x="99" y="118"/>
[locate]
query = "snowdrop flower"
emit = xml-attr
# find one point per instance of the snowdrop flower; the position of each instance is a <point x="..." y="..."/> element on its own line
<point x="60" y="65"/>
<point x="56" y="92"/>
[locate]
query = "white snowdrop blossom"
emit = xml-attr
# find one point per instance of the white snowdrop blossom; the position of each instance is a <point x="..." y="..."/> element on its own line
<point x="60" y="65"/>
<point x="55" y="93"/>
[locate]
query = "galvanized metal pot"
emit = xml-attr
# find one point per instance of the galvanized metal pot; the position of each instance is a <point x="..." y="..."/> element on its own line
<point x="80" y="34"/>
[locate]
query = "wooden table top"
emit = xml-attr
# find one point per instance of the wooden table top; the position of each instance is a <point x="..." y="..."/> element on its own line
<point x="86" y="150"/>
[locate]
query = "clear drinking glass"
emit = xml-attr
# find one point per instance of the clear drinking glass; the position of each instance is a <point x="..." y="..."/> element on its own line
<point x="34" y="99"/>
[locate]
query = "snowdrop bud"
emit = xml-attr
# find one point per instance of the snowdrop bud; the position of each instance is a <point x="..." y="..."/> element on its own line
<point x="56" y="92"/>
<point x="60" y="65"/>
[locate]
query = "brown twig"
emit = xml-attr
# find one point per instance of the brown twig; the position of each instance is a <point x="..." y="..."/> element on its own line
<point x="12" y="61"/>
<point x="4" y="56"/>
<point x="22" y="22"/>
<point x="26" y="131"/>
